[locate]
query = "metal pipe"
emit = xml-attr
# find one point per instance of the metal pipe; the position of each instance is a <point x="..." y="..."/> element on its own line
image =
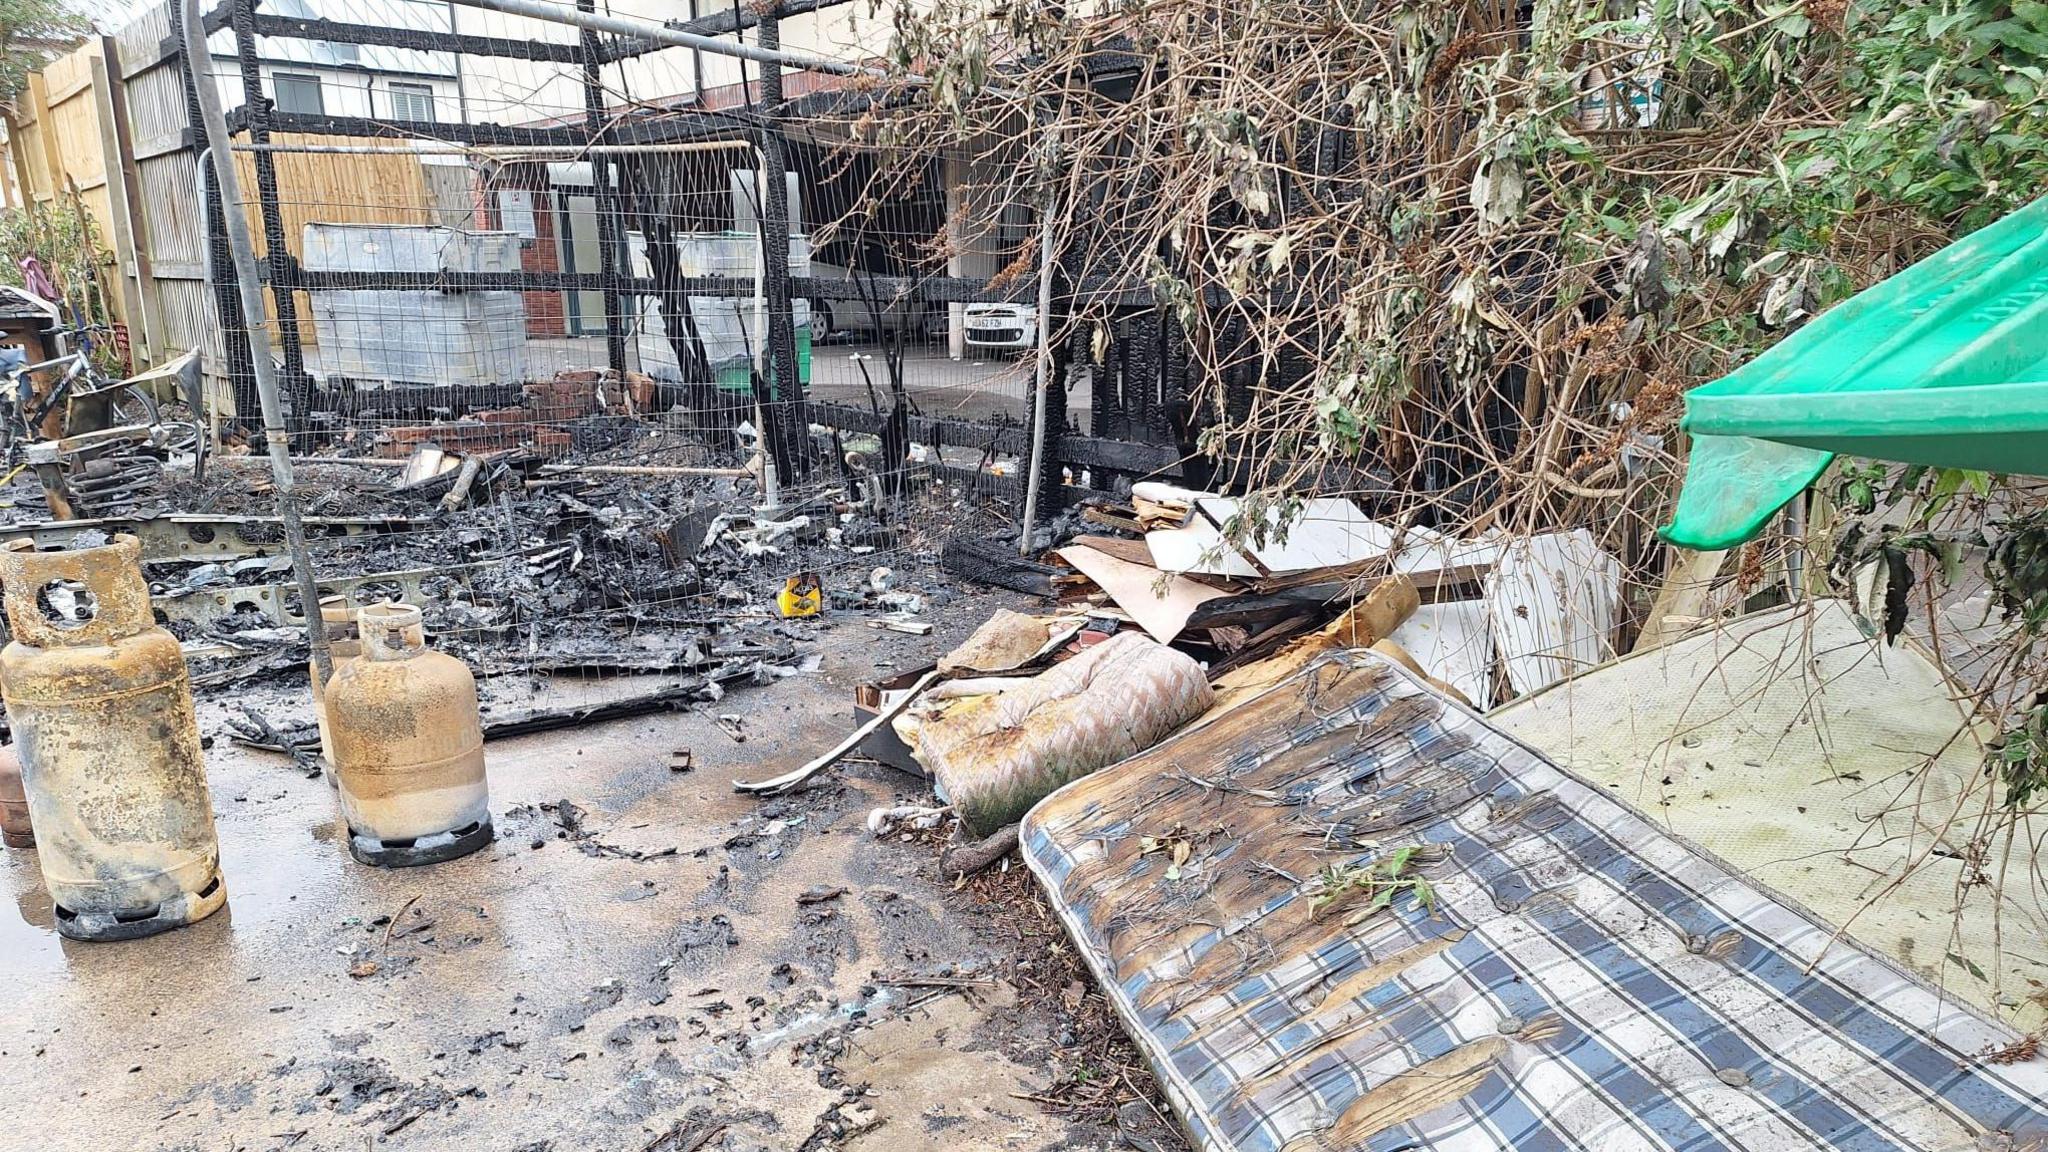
<point x="544" y="470"/>
<point x="489" y="151"/>
<point x="662" y="34"/>
<point x="249" y="286"/>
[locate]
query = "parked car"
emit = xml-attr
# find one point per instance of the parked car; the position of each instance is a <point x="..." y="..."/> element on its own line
<point x="854" y="319"/>
<point x="1003" y="326"/>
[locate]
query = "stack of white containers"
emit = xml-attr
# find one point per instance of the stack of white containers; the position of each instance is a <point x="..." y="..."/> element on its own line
<point x="416" y="336"/>
<point x="724" y="323"/>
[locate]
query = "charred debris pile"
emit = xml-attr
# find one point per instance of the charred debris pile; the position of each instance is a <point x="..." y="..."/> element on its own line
<point x="587" y="543"/>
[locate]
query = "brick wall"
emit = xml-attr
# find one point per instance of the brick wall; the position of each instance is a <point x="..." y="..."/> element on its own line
<point x="545" y="316"/>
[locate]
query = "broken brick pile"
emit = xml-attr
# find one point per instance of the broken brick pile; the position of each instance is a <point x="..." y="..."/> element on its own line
<point x="547" y="405"/>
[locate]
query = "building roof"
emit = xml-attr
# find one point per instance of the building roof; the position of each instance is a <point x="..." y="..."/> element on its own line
<point x="421" y="15"/>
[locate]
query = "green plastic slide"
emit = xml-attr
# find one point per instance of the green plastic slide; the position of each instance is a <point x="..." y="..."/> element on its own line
<point x="1944" y="364"/>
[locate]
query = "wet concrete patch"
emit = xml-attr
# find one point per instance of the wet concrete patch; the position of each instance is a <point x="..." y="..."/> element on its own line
<point x="545" y="998"/>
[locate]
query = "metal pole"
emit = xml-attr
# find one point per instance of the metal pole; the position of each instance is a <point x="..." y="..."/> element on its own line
<point x="1033" y="476"/>
<point x="215" y="125"/>
<point x="234" y="341"/>
<point x="660" y="34"/>
<point x="771" y="476"/>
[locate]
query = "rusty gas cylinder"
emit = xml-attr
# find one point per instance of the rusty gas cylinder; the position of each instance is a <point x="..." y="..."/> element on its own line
<point x="338" y="620"/>
<point x="408" y="747"/>
<point x="16" y="830"/>
<point x="101" y="709"/>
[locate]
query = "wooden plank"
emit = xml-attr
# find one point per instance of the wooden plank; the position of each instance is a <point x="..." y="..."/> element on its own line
<point x="46" y="139"/>
<point x="10" y="194"/>
<point x="131" y="257"/>
<point x="1129" y="551"/>
<point x="157" y="146"/>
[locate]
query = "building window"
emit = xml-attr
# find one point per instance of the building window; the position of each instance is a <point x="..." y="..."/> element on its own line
<point x="412" y="101"/>
<point x="298" y="93"/>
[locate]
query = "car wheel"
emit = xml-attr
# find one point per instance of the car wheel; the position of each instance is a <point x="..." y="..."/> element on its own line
<point x="821" y="322"/>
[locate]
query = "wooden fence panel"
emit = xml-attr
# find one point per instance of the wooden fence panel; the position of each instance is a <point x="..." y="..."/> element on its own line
<point x="334" y="188"/>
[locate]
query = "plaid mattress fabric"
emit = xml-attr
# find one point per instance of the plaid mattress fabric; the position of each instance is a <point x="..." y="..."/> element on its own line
<point x="1567" y="975"/>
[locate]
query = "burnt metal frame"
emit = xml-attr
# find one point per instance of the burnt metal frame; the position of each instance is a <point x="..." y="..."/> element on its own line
<point x="1106" y="456"/>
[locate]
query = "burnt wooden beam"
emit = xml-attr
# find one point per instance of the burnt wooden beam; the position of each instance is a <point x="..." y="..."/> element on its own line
<point x="419" y="39"/>
<point x="986" y="562"/>
<point x="721" y="23"/>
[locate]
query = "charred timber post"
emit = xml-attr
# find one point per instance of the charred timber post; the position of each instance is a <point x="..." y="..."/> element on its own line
<point x="238" y="364"/>
<point x="610" y="236"/>
<point x="250" y="292"/>
<point x="1036" y="474"/>
<point x="786" y="434"/>
<point x="242" y="16"/>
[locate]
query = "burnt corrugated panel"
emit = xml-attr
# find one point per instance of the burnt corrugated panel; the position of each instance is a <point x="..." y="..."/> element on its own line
<point x="1541" y="969"/>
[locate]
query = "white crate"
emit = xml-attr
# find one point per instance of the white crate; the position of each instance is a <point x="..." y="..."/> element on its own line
<point x="723" y="253"/>
<point x="424" y="248"/>
<point x="725" y="324"/>
<point x="425" y="337"/>
<point x="416" y="336"/>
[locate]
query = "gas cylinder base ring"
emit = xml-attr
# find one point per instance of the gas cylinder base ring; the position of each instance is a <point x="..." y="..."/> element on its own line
<point x="177" y="912"/>
<point x="425" y="850"/>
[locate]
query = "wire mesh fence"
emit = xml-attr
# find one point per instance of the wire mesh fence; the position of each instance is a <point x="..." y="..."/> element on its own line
<point x="593" y="348"/>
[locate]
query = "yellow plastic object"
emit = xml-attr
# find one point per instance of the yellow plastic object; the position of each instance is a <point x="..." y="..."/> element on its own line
<point x="802" y="595"/>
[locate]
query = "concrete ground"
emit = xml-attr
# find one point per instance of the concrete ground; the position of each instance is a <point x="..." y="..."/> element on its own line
<point x="705" y="970"/>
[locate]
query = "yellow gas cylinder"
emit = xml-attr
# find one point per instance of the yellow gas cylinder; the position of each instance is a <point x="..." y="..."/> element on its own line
<point x="408" y="747"/>
<point x="338" y="620"/>
<point x="16" y="831"/>
<point x="101" y="709"/>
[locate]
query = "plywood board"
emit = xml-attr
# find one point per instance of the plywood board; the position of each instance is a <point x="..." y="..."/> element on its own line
<point x="1552" y="601"/>
<point x="1329" y="533"/>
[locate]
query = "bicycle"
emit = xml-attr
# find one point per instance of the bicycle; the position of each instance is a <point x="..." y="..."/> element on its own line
<point x="84" y="399"/>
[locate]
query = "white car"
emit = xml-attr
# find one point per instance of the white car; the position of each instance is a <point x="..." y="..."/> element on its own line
<point x="1006" y="326"/>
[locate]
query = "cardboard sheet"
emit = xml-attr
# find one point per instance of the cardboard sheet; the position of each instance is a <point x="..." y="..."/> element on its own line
<point x="1133" y="588"/>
